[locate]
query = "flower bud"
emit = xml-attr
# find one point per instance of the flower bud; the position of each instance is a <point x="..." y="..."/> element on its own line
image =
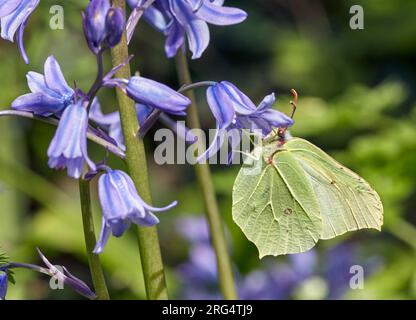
<point x="95" y="23"/>
<point x="115" y="25"/>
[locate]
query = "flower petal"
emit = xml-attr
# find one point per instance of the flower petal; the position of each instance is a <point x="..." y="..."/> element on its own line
<point x="38" y="103"/>
<point x="68" y="147"/>
<point x="278" y="119"/>
<point x="162" y="209"/>
<point x="267" y="103"/>
<point x="155" y="18"/>
<point x="221" y="16"/>
<point x="175" y="39"/>
<point x="111" y="195"/>
<point x="78" y="285"/>
<point x="10" y="23"/>
<point x="118" y="227"/>
<point x="103" y="238"/>
<point x="37" y="84"/>
<point x="7" y="6"/>
<point x="54" y="78"/>
<point x="214" y="147"/>
<point x="3" y="285"/>
<point x="242" y="104"/>
<point x="157" y="95"/>
<point x="143" y="111"/>
<point x="149" y="220"/>
<point x="97" y="116"/>
<point x="195" y="28"/>
<point x="221" y="105"/>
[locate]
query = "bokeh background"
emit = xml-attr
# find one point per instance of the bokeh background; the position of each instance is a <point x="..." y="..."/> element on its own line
<point x="357" y="102"/>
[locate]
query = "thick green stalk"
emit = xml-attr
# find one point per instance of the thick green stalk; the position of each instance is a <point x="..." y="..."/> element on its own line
<point x="203" y="174"/>
<point x="90" y="241"/>
<point x="404" y="231"/>
<point x="151" y="258"/>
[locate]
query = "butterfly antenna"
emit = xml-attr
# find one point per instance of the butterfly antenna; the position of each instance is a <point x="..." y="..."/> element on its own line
<point x="294" y="102"/>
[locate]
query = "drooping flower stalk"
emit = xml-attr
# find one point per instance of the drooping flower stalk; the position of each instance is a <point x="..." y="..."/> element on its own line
<point x="151" y="258"/>
<point x="203" y="174"/>
<point x="90" y="241"/>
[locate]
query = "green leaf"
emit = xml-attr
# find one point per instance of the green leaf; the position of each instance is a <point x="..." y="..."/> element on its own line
<point x="301" y="195"/>
<point x="276" y="209"/>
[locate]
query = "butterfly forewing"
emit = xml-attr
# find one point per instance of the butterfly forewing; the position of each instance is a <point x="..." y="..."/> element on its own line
<point x="347" y="202"/>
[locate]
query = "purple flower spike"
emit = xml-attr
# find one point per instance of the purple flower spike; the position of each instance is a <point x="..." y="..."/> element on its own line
<point x="232" y="109"/>
<point x="3" y="285"/>
<point x="103" y="25"/>
<point x="157" y="95"/>
<point x="50" y="92"/>
<point x="121" y="206"/>
<point x="68" y="148"/>
<point x="181" y="19"/>
<point x="67" y="278"/>
<point x="14" y="16"/>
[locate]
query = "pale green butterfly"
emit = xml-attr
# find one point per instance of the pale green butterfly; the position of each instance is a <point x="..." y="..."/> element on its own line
<point x="299" y="196"/>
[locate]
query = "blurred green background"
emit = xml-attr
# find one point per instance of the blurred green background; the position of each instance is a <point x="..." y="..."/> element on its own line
<point x="357" y="102"/>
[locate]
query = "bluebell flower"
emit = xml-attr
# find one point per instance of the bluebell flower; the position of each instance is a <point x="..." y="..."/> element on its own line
<point x="103" y="25"/>
<point x="121" y="206"/>
<point x="153" y="94"/>
<point x="50" y="92"/>
<point x="63" y="275"/>
<point x="232" y="109"/>
<point x="193" y="229"/>
<point x="14" y="15"/>
<point x="4" y="280"/>
<point x="304" y="263"/>
<point x="68" y="148"/>
<point x="181" y="19"/>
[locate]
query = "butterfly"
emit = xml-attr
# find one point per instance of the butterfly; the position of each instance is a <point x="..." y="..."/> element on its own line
<point x="299" y="196"/>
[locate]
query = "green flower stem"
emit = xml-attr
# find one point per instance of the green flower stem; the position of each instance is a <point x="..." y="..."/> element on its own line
<point x="151" y="258"/>
<point x="203" y="174"/>
<point x="90" y="241"/>
<point x="404" y="231"/>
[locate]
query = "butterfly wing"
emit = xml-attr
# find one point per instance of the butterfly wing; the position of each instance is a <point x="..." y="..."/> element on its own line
<point x="276" y="208"/>
<point x="347" y="202"/>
